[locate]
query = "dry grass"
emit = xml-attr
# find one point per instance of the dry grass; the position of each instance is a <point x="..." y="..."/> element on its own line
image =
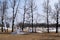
<point x="31" y="36"/>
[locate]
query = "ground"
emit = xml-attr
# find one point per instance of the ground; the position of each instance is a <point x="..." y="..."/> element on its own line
<point x="31" y="36"/>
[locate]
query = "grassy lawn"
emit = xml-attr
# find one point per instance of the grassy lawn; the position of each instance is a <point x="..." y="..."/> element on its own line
<point x="31" y="36"/>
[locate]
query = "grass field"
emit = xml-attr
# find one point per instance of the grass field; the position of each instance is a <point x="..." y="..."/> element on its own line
<point x="31" y="36"/>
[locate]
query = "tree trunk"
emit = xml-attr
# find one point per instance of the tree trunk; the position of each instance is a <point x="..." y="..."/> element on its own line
<point x="32" y="13"/>
<point x="57" y="23"/>
<point x="47" y="24"/>
<point x="13" y="25"/>
<point x="13" y="21"/>
<point x="2" y="25"/>
<point x="47" y="18"/>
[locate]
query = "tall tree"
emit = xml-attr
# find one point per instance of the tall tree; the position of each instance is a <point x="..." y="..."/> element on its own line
<point x="57" y="9"/>
<point x="13" y="5"/>
<point x="1" y="12"/>
<point x="32" y="13"/>
<point x="24" y="13"/>
<point x="55" y="15"/>
<point x="33" y="8"/>
<point x="4" y="7"/>
<point x="47" y="10"/>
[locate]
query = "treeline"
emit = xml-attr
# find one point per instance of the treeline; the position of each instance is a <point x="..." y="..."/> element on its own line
<point x="37" y="25"/>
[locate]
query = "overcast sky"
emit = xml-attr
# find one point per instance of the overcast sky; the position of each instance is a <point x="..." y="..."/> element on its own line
<point x="40" y="7"/>
<point x="39" y="4"/>
<point x="39" y="10"/>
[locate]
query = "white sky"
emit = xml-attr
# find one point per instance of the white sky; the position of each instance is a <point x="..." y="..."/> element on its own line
<point x="40" y="10"/>
<point x="40" y="7"/>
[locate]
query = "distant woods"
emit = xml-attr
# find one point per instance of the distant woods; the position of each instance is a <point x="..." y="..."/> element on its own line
<point x="30" y="15"/>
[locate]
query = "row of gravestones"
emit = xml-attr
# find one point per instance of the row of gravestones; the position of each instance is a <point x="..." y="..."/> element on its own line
<point x="18" y="30"/>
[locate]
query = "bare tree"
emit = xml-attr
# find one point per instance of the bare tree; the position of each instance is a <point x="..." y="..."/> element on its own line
<point x="1" y="12"/>
<point x="13" y="4"/>
<point x="32" y="13"/>
<point x="57" y="18"/>
<point x="24" y="13"/>
<point x="56" y="14"/>
<point x="33" y="8"/>
<point x="47" y="10"/>
<point x="4" y="7"/>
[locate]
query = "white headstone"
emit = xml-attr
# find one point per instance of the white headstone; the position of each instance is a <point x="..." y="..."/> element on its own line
<point x="18" y="31"/>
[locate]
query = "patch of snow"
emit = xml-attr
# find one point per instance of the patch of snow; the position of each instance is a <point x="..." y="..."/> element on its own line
<point x="52" y="29"/>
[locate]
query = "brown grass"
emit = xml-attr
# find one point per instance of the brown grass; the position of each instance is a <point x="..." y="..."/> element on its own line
<point x="31" y="36"/>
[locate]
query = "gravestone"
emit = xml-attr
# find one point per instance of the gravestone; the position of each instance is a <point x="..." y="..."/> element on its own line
<point x="18" y="30"/>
